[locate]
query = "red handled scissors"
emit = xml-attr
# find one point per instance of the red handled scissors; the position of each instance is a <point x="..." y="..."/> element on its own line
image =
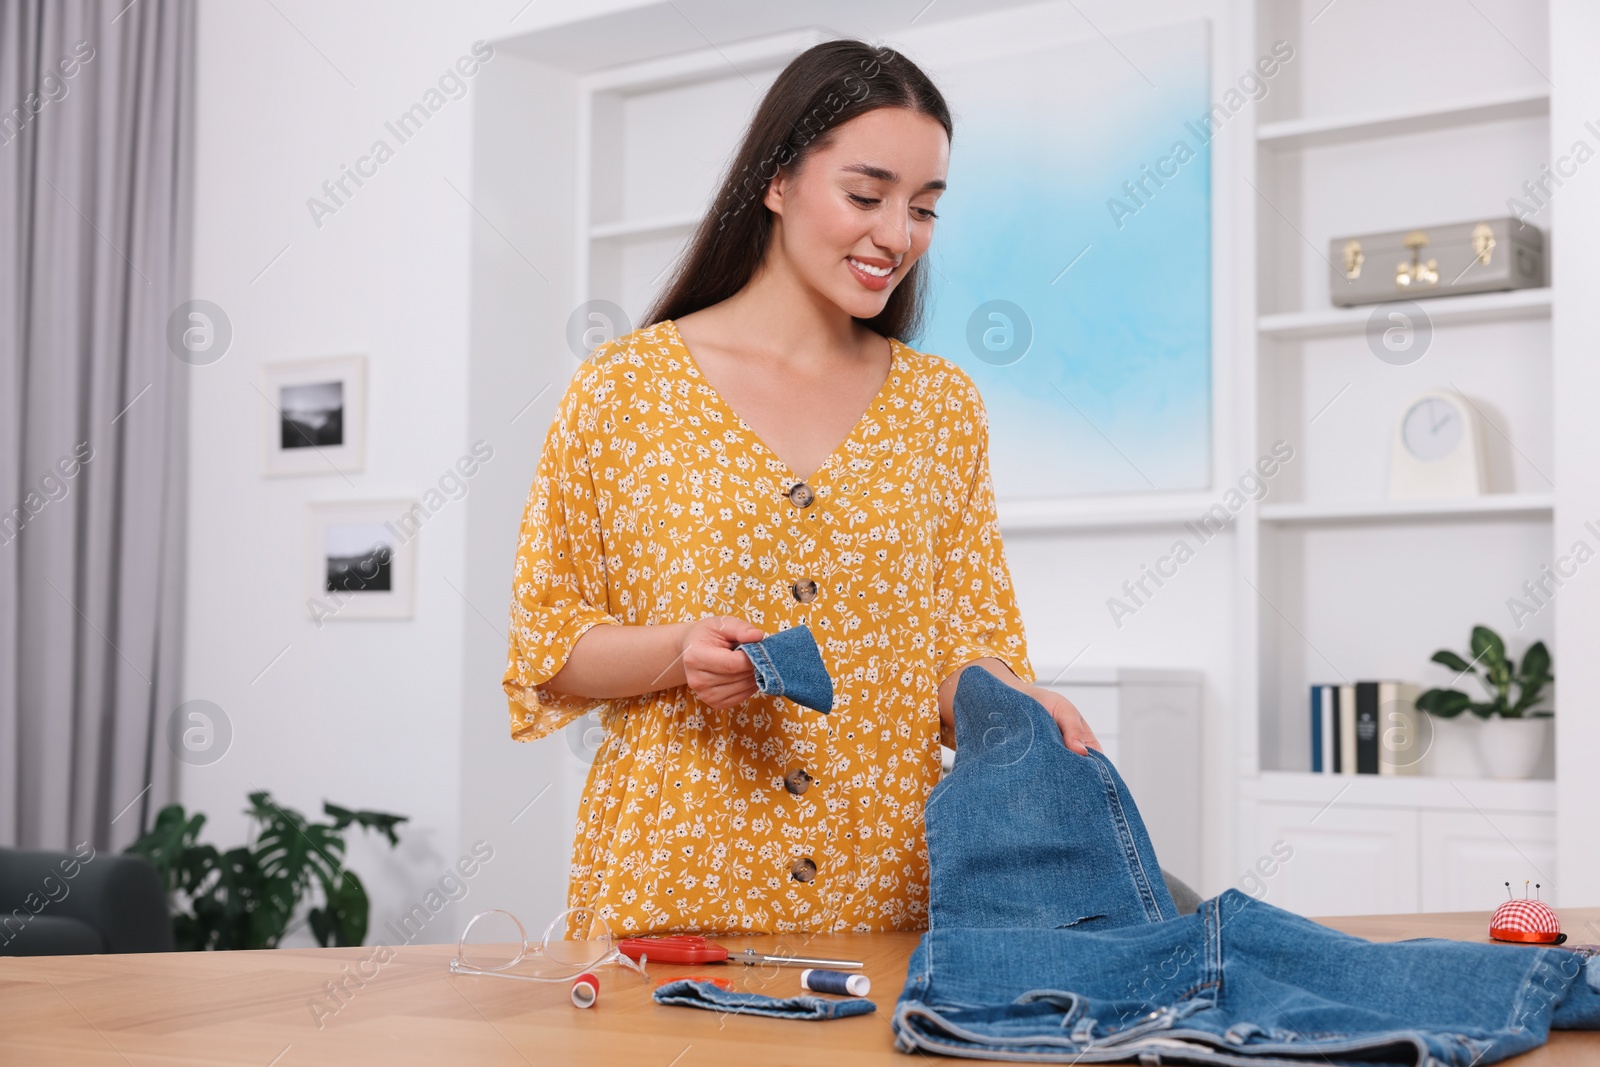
<point x="694" y="948"/>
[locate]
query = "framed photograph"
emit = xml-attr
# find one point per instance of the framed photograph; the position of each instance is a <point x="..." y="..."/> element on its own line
<point x="314" y="420"/>
<point x="361" y="561"/>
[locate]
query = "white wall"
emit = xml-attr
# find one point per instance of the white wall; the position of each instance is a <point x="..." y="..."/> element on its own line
<point x="363" y="713"/>
<point x="512" y="793"/>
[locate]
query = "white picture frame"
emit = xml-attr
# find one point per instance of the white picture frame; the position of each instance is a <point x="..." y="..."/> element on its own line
<point x="346" y="576"/>
<point x="314" y="415"/>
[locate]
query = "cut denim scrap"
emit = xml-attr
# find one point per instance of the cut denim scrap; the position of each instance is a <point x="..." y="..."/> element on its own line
<point x="1052" y="938"/>
<point x="789" y="664"/>
<point x="688" y="993"/>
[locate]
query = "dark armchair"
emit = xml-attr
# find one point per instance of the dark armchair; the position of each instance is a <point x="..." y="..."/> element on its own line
<point x="68" y="903"/>
<point x="1187" y="900"/>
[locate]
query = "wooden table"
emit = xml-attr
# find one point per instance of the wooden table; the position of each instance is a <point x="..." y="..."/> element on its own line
<point x="257" y="1009"/>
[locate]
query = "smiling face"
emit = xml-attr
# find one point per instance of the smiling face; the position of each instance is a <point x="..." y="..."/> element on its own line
<point x="859" y="212"/>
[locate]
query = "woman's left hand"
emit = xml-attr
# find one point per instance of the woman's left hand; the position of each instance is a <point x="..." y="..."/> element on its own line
<point x="1074" y="730"/>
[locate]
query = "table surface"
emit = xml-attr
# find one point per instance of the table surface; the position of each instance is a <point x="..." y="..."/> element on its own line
<point x="258" y="1008"/>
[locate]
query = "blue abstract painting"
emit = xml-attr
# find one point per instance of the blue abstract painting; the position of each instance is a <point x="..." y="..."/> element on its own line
<point x="1072" y="261"/>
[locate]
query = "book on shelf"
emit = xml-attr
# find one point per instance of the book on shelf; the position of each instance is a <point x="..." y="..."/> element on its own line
<point x="1319" y="744"/>
<point x="1324" y="729"/>
<point x="1347" y="729"/>
<point x="1367" y="727"/>
<point x="1401" y="744"/>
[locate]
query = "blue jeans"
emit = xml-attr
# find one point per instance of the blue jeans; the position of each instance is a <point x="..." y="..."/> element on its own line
<point x="789" y="664"/>
<point x="1052" y="938"/>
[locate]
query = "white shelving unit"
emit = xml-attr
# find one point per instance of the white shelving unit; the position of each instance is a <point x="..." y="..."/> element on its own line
<point x="1290" y="134"/>
<point x="1118" y="513"/>
<point x="1442" y="311"/>
<point x="1348" y="584"/>
<point x="646" y="230"/>
<point x="624" y="236"/>
<point x="1532" y="505"/>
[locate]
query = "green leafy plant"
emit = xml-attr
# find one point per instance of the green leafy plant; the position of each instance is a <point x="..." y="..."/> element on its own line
<point x="1499" y="674"/>
<point x="245" y="897"/>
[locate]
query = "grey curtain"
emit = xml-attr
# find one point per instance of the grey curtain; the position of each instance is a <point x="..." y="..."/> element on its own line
<point x="95" y="131"/>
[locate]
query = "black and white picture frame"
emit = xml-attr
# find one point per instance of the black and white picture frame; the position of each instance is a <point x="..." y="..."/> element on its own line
<point x="314" y="420"/>
<point x="361" y="561"/>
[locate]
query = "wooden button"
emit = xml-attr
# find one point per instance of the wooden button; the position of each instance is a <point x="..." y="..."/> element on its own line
<point x="797" y="781"/>
<point x="800" y="495"/>
<point x="805" y="590"/>
<point x="803" y="869"/>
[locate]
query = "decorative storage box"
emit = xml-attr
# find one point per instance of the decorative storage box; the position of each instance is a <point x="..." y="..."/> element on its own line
<point x="1462" y="257"/>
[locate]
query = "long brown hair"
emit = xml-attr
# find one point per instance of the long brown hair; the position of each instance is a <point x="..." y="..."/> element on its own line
<point x="821" y="88"/>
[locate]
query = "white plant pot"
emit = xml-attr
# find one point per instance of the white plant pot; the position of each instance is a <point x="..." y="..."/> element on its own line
<point x="1511" y="747"/>
<point x="1453" y="750"/>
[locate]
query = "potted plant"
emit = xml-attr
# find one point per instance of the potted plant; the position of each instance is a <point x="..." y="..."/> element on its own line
<point x="246" y="897"/>
<point x="1514" y="730"/>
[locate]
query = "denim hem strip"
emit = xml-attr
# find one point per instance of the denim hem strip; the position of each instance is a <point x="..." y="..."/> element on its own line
<point x="1213" y="928"/>
<point x="771" y="682"/>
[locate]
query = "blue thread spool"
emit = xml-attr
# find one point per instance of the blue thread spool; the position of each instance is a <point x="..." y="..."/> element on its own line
<point x="821" y="981"/>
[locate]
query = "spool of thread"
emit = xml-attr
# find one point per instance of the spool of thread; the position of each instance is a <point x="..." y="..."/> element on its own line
<point x="585" y="990"/>
<point x="820" y="981"/>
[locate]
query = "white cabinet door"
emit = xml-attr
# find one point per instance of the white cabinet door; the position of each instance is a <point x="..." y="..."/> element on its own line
<point x="1338" y="859"/>
<point x="1469" y="856"/>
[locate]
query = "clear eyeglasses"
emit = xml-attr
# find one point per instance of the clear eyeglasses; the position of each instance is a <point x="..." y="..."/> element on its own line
<point x="576" y="941"/>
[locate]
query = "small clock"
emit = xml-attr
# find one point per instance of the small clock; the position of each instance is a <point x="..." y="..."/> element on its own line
<point x="1437" y="451"/>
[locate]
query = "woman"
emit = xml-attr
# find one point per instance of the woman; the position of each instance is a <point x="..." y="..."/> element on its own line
<point x="769" y="454"/>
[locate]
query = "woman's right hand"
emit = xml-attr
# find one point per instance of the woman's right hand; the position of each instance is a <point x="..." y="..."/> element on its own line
<point x="713" y="667"/>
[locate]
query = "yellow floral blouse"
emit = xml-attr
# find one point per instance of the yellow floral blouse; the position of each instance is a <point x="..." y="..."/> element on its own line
<point x="655" y="503"/>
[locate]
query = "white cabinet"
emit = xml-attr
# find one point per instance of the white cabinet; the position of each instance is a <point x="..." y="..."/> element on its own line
<point x="1333" y="860"/>
<point x="1467" y="857"/>
<point x="1365" y="844"/>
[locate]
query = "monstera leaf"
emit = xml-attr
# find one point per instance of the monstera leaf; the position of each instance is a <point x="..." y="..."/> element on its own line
<point x="342" y="921"/>
<point x="372" y="820"/>
<point x="248" y="896"/>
